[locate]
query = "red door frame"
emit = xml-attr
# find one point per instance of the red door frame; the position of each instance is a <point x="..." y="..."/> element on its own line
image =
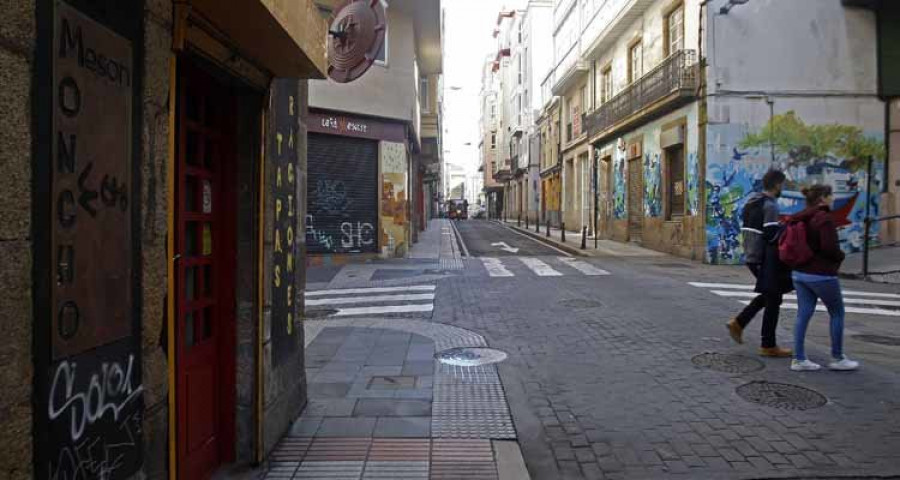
<point x="215" y="304"/>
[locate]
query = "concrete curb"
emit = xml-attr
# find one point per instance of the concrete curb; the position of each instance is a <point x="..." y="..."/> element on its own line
<point x="549" y="241"/>
<point x="510" y="463"/>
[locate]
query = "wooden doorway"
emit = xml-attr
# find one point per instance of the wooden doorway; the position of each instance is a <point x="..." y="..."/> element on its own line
<point x="205" y="273"/>
<point x="635" y="200"/>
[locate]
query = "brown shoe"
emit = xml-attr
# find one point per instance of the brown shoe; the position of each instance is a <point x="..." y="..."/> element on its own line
<point x="736" y="331"/>
<point x="776" y="352"/>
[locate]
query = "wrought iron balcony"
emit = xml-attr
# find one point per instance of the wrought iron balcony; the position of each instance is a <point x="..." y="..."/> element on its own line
<point x="675" y="79"/>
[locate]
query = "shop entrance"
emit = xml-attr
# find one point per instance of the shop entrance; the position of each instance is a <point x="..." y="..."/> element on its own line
<point x="205" y="272"/>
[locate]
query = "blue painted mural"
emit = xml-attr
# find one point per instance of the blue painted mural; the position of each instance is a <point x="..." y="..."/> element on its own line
<point x="693" y="184"/>
<point x="834" y="154"/>
<point x="619" y="207"/>
<point x="652" y="185"/>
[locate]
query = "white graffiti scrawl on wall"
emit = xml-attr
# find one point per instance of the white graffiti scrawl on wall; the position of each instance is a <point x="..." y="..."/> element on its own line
<point x="358" y="235"/>
<point x="109" y="391"/>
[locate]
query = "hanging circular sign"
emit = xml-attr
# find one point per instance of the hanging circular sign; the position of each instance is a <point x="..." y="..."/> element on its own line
<point x="356" y="36"/>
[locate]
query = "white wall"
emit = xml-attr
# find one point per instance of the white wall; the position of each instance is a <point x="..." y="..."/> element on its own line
<point x="790" y="46"/>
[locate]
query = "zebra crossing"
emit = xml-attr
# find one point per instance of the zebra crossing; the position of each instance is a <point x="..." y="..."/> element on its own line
<point x="855" y="301"/>
<point x="372" y="302"/>
<point x="542" y="267"/>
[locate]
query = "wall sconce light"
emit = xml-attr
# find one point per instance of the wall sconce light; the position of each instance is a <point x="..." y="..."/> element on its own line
<point x="731" y="4"/>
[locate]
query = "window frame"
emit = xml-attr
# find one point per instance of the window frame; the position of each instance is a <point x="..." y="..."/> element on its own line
<point x="667" y="28"/>
<point x="386" y="46"/>
<point x="606" y="88"/>
<point x="425" y="89"/>
<point x="636" y="46"/>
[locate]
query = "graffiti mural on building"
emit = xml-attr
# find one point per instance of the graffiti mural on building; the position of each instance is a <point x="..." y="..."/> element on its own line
<point x="331" y="196"/>
<point x="619" y="206"/>
<point x="652" y="185"/>
<point x="394" y="215"/>
<point x="834" y="154"/>
<point x="693" y="184"/>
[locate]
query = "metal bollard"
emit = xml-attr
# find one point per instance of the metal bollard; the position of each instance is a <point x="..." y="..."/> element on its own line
<point x="548" y="228"/>
<point x="526" y="222"/>
<point x="537" y="225"/>
<point x="562" y="231"/>
<point x="519" y="221"/>
<point x="583" y="237"/>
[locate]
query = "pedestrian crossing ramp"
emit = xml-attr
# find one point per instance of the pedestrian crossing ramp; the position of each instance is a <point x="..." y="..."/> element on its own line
<point x="405" y="301"/>
<point x="541" y="267"/>
<point x="855" y="301"/>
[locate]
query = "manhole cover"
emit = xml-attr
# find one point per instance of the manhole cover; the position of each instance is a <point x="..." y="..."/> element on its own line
<point x="781" y="395"/>
<point x="879" y="339"/>
<point x="580" y="303"/>
<point x="721" y="362"/>
<point x="470" y="356"/>
<point x="320" y="313"/>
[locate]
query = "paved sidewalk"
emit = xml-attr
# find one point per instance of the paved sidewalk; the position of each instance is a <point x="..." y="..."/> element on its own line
<point x="380" y="406"/>
<point x="884" y="264"/>
<point x="572" y="244"/>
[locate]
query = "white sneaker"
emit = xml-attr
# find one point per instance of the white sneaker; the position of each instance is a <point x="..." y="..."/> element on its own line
<point x="804" y="365"/>
<point x="844" y="364"/>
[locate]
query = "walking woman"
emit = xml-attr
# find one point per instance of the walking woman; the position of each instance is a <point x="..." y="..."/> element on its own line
<point x="818" y="279"/>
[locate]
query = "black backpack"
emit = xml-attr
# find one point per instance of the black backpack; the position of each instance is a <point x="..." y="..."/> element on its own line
<point x="753" y="214"/>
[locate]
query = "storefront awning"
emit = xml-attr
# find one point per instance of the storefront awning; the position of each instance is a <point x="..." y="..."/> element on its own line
<point x="286" y="37"/>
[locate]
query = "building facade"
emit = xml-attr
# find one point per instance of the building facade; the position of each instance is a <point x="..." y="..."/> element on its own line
<point x="375" y="143"/>
<point x="489" y="150"/>
<point x="153" y="275"/>
<point x="662" y="116"/>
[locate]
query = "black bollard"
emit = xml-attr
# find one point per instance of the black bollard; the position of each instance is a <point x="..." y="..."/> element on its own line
<point x="562" y="231"/>
<point x="548" y="228"/>
<point x="537" y="225"/>
<point x="519" y="221"/>
<point x="526" y="222"/>
<point x="583" y="237"/>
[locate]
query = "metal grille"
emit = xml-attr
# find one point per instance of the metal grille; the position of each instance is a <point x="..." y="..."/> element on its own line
<point x="677" y="73"/>
<point x="342" y="195"/>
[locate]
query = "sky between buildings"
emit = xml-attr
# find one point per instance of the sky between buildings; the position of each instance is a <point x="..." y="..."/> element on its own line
<point x="468" y="38"/>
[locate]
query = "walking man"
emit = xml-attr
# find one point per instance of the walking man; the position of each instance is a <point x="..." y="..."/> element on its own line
<point x="773" y="278"/>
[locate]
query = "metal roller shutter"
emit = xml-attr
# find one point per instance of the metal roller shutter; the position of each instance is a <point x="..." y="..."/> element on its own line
<point x="342" y="216"/>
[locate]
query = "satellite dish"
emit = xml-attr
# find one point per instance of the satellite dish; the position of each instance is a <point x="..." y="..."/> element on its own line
<point x="355" y="37"/>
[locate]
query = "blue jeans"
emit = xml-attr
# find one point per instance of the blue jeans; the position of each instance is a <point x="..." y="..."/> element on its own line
<point x="808" y="293"/>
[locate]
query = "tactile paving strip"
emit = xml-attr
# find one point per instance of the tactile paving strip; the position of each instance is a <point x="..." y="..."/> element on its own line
<point x="480" y="425"/>
<point x="454" y="374"/>
<point x="400" y="450"/>
<point x="330" y="470"/>
<point x="396" y="471"/>
<point x="290" y="449"/>
<point x="462" y="460"/>
<point x="338" y="450"/>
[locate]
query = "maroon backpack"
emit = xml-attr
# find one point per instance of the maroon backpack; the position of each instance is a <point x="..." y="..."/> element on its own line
<point x="793" y="249"/>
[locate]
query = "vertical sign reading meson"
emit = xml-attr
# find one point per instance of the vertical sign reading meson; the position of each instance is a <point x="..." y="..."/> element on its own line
<point x="283" y="165"/>
<point x="94" y="393"/>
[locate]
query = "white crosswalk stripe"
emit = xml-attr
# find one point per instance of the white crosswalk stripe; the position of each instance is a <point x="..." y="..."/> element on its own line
<point x="539" y="267"/>
<point x="377" y="301"/>
<point x="511" y="266"/>
<point x="495" y="267"/>
<point x="855" y="301"/>
<point x="583" y="267"/>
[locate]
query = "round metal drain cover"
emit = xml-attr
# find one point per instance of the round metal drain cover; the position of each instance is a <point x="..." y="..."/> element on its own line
<point x="320" y="313"/>
<point x="781" y="395"/>
<point x="470" y="356"/>
<point x="580" y="303"/>
<point x="879" y="339"/>
<point x="721" y="362"/>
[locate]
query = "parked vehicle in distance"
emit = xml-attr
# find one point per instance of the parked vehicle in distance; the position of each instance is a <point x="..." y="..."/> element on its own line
<point x="458" y="209"/>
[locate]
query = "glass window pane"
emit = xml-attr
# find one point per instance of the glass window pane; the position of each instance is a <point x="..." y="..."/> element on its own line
<point x="192" y="147"/>
<point x="189" y="330"/>
<point x="190" y="283"/>
<point x="207" y="239"/>
<point x="209" y="152"/>
<point x="190" y="194"/>
<point x="207" y="280"/>
<point x="190" y="239"/>
<point x="207" y="323"/>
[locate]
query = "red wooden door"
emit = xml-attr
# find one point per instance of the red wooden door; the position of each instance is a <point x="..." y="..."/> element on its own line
<point x="205" y="241"/>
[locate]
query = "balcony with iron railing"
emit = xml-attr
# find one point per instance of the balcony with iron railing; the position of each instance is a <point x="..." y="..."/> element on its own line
<point x="669" y="85"/>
